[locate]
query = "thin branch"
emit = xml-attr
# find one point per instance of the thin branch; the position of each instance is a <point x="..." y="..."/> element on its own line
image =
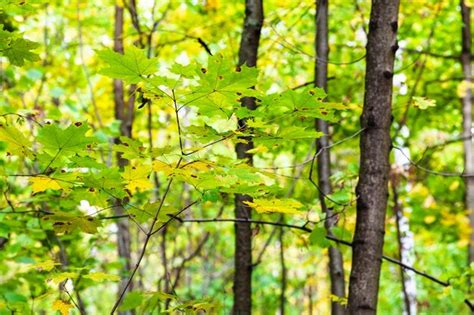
<point x="145" y="243"/>
<point x="433" y="172"/>
<point x="331" y="238"/>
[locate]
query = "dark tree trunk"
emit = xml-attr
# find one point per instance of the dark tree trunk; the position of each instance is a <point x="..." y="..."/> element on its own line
<point x="243" y="234"/>
<point x="467" y="121"/>
<point x="336" y="269"/>
<point x="123" y="114"/>
<point x="375" y="146"/>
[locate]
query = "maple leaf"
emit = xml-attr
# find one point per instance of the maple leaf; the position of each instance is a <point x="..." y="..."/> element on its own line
<point x="101" y="276"/>
<point x="136" y="178"/>
<point x="220" y="87"/>
<point x="65" y="223"/>
<point x="18" y="50"/>
<point x="275" y="205"/>
<point x="46" y="265"/>
<point x="423" y="102"/>
<point x="42" y="183"/>
<point x="60" y="144"/>
<point x="17" y="143"/>
<point x="132" y="67"/>
<point x="61" y="306"/>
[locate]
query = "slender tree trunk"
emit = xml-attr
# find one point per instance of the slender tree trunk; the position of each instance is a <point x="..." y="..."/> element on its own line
<point x="336" y="269"/>
<point x="375" y="146"/>
<point x="467" y="121"/>
<point x="122" y="113"/>
<point x="405" y="243"/>
<point x="243" y="234"/>
<point x="283" y="271"/>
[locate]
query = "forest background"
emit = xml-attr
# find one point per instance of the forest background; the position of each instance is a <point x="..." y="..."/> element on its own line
<point x="129" y="165"/>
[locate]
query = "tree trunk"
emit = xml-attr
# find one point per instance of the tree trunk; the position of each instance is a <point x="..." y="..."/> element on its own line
<point x="336" y="269"/>
<point x="243" y="233"/>
<point x="467" y="121"/>
<point x="406" y="241"/>
<point x="122" y="114"/>
<point x="375" y="146"/>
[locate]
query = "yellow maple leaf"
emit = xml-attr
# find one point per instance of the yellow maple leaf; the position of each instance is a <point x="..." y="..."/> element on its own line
<point x="101" y="276"/>
<point x="275" y="205"/>
<point x="47" y="265"/>
<point x="62" y="306"/>
<point x="136" y="177"/>
<point x="159" y="166"/>
<point x="41" y="183"/>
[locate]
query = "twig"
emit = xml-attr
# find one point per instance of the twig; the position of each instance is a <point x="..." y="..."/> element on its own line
<point x="433" y="172"/>
<point x="145" y="244"/>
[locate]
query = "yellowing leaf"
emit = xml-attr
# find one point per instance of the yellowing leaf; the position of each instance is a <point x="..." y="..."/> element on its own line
<point x="199" y="165"/>
<point x="423" y="102"/>
<point x="16" y="141"/>
<point x="41" y="183"/>
<point x="159" y="166"/>
<point x="100" y="277"/>
<point x="62" y="307"/>
<point x="46" y="265"/>
<point x="60" y="277"/>
<point x="136" y="178"/>
<point x="463" y="87"/>
<point x="430" y="219"/>
<point x="259" y="149"/>
<point x="275" y="205"/>
<point x="454" y="185"/>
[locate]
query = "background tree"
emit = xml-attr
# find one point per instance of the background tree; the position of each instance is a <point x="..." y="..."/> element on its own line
<point x="375" y="146"/>
<point x="336" y="262"/>
<point x="248" y="54"/>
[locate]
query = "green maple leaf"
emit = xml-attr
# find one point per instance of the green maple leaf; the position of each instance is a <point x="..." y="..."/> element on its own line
<point x="221" y="85"/>
<point x="131" y="149"/>
<point x="18" y="50"/>
<point x="132" y="67"/>
<point x="5" y="38"/>
<point x="60" y="143"/>
<point x="65" y="223"/>
<point x="306" y="103"/>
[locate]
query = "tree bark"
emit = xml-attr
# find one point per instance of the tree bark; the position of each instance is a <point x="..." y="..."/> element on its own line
<point x="122" y="114"/>
<point x="467" y="121"/>
<point x="375" y="146"/>
<point x="336" y="269"/>
<point x="243" y="234"/>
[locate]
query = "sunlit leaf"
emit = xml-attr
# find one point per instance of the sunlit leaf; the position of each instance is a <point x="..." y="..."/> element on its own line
<point x="132" y="67"/>
<point x="62" y="307"/>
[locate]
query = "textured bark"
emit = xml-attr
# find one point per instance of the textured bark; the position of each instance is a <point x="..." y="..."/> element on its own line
<point x="243" y="234"/>
<point x="336" y="269"/>
<point x="122" y="114"/>
<point x="467" y="121"/>
<point x="375" y="146"/>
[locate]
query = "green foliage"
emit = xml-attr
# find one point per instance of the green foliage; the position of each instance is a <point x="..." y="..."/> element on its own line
<point x="132" y="67"/>
<point x="69" y="176"/>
